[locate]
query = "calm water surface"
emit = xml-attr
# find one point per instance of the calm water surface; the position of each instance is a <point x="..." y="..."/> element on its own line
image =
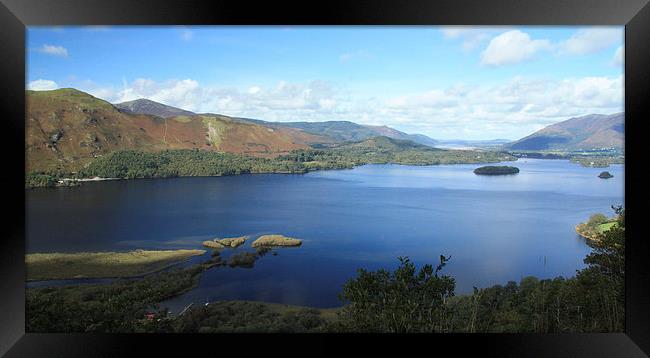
<point x="496" y="228"/>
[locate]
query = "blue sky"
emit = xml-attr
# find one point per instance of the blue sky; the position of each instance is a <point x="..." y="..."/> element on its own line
<point x="446" y="82"/>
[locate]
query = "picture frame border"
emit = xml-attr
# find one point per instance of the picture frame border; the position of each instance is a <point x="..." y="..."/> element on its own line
<point x="15" y="15"/>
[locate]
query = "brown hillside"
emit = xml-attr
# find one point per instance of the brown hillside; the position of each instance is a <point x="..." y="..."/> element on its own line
<point x="66" y="129"/>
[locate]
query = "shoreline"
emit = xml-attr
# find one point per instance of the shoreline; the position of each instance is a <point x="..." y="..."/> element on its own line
<point x="584" y="235"/>
<point x="87" y="179"/>
<point x="62" y="182"/>
<point x="587" y="236"/>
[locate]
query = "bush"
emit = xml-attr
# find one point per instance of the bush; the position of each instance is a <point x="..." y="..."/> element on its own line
<point x="401" y="301"/>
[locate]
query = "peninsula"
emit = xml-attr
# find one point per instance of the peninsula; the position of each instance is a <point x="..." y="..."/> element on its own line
<point x="60" y="266"/>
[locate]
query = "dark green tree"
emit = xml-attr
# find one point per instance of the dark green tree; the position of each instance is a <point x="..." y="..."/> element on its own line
<point x="406" y="300"/>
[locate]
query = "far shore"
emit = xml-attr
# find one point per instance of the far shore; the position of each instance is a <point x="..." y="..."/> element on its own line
<point x="87" y="179"/>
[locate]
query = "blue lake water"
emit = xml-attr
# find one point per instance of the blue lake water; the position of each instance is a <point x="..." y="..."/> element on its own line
<point x="496" y="228"/>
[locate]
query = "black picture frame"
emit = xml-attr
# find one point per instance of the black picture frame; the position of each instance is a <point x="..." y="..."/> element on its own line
<point x="15" y="15"/>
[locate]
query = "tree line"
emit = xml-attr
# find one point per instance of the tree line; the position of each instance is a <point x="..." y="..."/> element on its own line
<point x="129" y="164"/>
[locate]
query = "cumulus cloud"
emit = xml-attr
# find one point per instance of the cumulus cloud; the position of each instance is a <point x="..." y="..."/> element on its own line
<point x="510" y="110"/>
<point x="471" y="37"/>
<point x="619" y="56"/>
<point x="53" y="50"/>
<point x="512" y="47"/>
<point x="288" y="101"/>
<point x="590" y="40"/>
<point x="42" y="85"/>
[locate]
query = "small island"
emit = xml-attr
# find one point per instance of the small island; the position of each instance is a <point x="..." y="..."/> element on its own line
<point x="231" y="242"/>
<point x="605" y="175"/>
<point x="496" y="170"/>
<point x="60" y="266"/>
<point x="276" y="240"/>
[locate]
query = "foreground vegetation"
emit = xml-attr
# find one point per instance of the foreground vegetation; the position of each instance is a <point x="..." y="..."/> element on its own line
<point x="56" y="266"/>
<point x="408" y="300"/>
<point x="121" y="306"/>
<point x="174" y="163"/>
<point x="404" y="300"/>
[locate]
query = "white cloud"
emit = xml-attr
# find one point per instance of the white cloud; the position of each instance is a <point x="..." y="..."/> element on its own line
<point x="282" y="101"/>
<point x="510" y="110"/>
<point x="187" y="35"/>
<point x="619" y="56"/>
<point x="53" y="50"/>
<point x="471" y="36"/>
<point x="356" y="55"/>
<point x="590" y="40"/>
<point x="512" y="47"/>
<point x="42" y="85"/>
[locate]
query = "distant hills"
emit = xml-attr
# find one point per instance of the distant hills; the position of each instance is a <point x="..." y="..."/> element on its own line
<point x="464" y="144"/>
<point x="337" y="131"/>
<point x="591" y="132"/>
<point x="66" y="129"/>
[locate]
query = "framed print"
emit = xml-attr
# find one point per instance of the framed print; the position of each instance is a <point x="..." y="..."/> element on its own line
<point x="457" y="174"/>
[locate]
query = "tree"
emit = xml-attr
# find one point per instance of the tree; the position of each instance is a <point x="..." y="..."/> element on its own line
<point x="596" y="219"/>
<point x="405" y="300"/>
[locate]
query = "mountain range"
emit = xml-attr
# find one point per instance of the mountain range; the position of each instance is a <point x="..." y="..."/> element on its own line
<point x="67" y="128"/>
<point x="339" y="131"/>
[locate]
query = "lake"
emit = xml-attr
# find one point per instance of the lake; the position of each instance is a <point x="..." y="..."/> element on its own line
<point x="496" y="228"/>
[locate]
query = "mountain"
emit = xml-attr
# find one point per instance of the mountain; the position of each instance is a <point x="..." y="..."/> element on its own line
<point x="594" y="131"/>
<point x="67" y="128"/>
<point x="345" y="131"/>
<point x="338" y="131"/>
<point x="145" y="106"/>
<point x="395" y="134"/>
<point x="384" y="143"/>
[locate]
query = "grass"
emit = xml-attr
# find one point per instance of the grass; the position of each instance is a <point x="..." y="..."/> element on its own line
<point x="605" y="227"/>
<point x="594" y="232"/>
<point x="276" y="240"/>
<point x="58" y="266"/>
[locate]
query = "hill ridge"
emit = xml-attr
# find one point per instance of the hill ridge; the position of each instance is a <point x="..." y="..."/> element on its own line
<point x="588" y="132"/>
